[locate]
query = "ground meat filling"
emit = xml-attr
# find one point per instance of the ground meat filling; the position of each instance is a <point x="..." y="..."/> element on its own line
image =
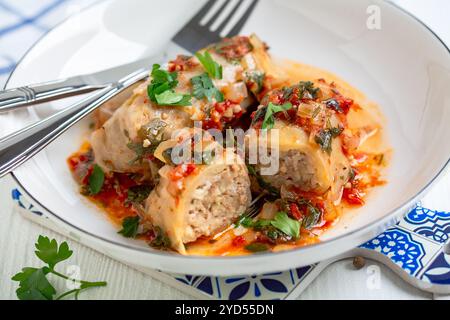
<point x="295" y="169"/>
<point x="217" y="203"/>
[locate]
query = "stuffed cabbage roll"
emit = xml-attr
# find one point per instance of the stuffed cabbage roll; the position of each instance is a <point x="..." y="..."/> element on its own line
<point x="311" y="156"/>
<point x="198" y="200"/>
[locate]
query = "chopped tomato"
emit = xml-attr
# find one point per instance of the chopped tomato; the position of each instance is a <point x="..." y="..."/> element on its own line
<point x="222" y="113"/>
<point x="295" y="211"/>
<point x="181" y="63"/>
<point x="344" y="103"/>
<point x="182" y="171"/>
<point x="85" y="180"/>
<point x="239" y="241"/>
<point x="234" y="48"/>
<point x="353" y="196"/>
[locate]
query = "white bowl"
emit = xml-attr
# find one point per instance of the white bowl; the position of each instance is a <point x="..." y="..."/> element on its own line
<point x="402" y="66"/>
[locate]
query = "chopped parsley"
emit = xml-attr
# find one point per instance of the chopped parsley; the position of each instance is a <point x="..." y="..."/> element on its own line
<point x="153" y="133"/>
<point x="324" y="138"/>
<point x="287" y="225"/>
<point x="313" y="217"/>
<point x="130" y="226"/>
<point x="256" y="78"/>
<point x="212" y="68"/>
<point x="268" y="114"/>
<point x="257" y="247"/>
<point x="272" y="228"/>
<point x="172" y="98"/>
<point x="245" y="221"/>
<point x="203" y="87"/>
<point x="161" y="240"/>
<point x="138" y="194"/>
<point x="307" y="90"/>
<point x="96" y="180"/>
<point x="161" y="88"/>
<point x="140" y="151"/>
<point x="334" y="105"/>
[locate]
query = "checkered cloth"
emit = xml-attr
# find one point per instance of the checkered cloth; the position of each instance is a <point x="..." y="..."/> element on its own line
<point x="23" y="22"/>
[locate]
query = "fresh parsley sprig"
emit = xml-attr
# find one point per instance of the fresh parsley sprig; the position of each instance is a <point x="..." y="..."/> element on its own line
<point x="96" y="180"/>
<point x="212" y="68"/>
<point x="282" y="222"/>
<point x="130" y="227"/>
<point x="324" y="138"/>
<point x="33" y="282"/>
<point x="203" y="87"/>
<point x="268" y="114"/>
<point x="161" y="88"/>
<point x="286" y="224"/>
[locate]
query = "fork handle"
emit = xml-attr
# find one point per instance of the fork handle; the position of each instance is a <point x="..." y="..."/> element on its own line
<point x="20" y="146"/>
<point x="34" y="94"/>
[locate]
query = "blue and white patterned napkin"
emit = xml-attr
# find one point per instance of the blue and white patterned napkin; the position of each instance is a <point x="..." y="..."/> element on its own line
<point x="24" y="22"/>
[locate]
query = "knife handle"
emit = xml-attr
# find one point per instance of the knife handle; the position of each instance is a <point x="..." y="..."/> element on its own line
<point x="34" y="94"/>
<point x="20" y="146"/>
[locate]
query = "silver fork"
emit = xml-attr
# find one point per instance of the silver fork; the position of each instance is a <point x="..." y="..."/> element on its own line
<point x="192" y="37"/>
<point x="20" y="146"/>
<point x="203" y="33"/>
<point x="252" y="211"/>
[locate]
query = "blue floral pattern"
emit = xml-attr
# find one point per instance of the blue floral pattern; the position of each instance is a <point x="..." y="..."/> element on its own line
<point x="254" y="285"/>
<point x="429" y="223"/>
<point x="399" y="246"/>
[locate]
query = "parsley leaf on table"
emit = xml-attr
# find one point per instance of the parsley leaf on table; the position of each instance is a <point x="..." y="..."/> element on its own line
<point x="33" y="282"/>
<point x="33" y="285"/>
<point x="212" y="68"/>
<point x="48" y="251"/>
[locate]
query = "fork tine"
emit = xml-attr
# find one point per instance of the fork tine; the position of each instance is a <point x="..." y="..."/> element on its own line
<point x="216" y="15"/>
<point x="240" y="24"/>
<point x="228" y="18"/>
<point x="202" y="12"/>
<point x="193" y="36"/>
